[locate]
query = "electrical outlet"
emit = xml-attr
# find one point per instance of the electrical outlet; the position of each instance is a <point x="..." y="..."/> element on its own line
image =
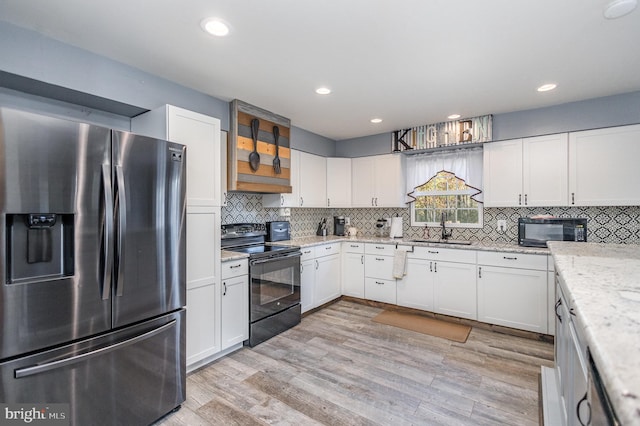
<point x="284" y="212"/>
<point x="347" y="221"/>
<point x="502" y="225"/>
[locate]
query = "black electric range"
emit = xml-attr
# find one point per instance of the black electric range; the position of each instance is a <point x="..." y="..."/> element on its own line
<point x="250" y="238"/>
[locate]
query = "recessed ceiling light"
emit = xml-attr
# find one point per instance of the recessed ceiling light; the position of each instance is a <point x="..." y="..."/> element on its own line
<point x="619" y="8"/>
<point x="547" y="87"/>
<point x="376" y="120"/>
<point x="323" y="90"/>
<point x="215" y="26"/>
<point x="453" y="116"/>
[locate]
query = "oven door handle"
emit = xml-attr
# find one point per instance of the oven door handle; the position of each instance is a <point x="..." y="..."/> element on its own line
<point x="273" y="258"/>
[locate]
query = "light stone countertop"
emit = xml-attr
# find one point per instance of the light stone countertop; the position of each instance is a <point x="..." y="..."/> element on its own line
<point x="602" y="282"/>
<point x="475" y="245"/>
<point x="228" y="255"/>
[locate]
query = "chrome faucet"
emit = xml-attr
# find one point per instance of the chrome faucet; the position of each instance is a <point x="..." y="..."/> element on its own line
<point x="445" y="234"/>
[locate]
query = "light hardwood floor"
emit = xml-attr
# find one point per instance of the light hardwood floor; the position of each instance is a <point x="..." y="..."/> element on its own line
<point x="340" y="368"/>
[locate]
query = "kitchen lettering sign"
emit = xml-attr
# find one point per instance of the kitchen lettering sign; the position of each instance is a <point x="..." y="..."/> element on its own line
<point x="467" y="131"/>
<point x="258" y="150"/>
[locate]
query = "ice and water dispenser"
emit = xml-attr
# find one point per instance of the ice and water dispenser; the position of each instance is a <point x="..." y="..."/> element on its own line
<point x="39" y="246"/>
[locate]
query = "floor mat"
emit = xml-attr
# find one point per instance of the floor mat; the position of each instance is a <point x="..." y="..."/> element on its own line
<point x="425" y="325"/>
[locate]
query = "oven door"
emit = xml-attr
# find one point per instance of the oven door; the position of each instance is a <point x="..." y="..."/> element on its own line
<point x="275" y="284"/>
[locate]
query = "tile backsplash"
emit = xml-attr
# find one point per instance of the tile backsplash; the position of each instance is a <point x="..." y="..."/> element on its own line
<point x="605" y="224"/>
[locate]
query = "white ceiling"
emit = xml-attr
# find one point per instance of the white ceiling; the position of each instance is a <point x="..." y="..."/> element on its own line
<point x="409" y="62"/>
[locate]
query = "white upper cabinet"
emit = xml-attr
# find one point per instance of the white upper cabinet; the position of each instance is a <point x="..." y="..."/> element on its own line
<point x="308" y="183"/>
<point x="526" y="172"/>
<point x="338" y="182"/>
<point x="362" y="182"/>
<point x="313" y="180"/>
<point x="603" y="167"/>
<point x="201" y="134"/>
<point x="377" y="181"/>
<point x="544" y="173"/>
<point x="502" y="169"/>
<point x="292" y="199"/>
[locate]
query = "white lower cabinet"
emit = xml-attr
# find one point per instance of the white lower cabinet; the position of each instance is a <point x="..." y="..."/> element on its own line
<point x="512" y="290"/>
<point x="379" y="283"/>
<point x="203" y="335"/>
<point x="203" y="284"/>
<point x="327" y="283"/>
<point x="307" y="278"/>
<point x="380" y="290"/>
<point x="234" y="301"/>
<point x="353" y="269"/>
<point x="415" y="289"/>
<point x="455" y="289"/>
<point x="571" y="365"/>
<point x="320" y="275"/>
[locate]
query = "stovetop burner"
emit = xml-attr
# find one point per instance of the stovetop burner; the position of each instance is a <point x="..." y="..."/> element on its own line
<point x="250" y="238"/>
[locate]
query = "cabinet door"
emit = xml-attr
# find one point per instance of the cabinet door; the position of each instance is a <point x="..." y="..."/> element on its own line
<point x="562" y="341"/>
<point x="578" y="411"/>
<point x="380" y="290"/>
<point x="545" y="170"/>
<point x="292" y="199"/>
<point x="338" y="182"/>
<point x="353" y="274"/>
<point x="307" y="284"/>
<point x="362" y="182"/>
<point x="512" y="297"/>
<point x="234" y="311"/>
<point x="203" y="336"/>
<point x="202" y="253"/>
<point x="313" y="180"/>
<point x="502" y="173"/>
<point x="327" y="285"/>
<point x="415" y="290"/>
<point x="389" y="181"/>
<point x="201" y="135"/>
<point x="603" y="167"/>
<point x="377" y="266"/>
<point x="455" y="289"/>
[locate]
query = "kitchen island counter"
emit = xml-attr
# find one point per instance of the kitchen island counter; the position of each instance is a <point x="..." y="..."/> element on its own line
<point x="602" y="282"/>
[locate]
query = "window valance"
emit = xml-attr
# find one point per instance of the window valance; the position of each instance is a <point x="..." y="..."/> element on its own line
<point x="465" y="164"/>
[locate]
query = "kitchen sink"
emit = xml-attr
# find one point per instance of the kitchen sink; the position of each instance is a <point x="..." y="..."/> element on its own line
<point x="451" y="242"/>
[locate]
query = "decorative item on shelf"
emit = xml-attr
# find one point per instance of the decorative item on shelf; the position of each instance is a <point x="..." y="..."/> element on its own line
<point x="259" y="155"/>
<point x="448" y="134"/>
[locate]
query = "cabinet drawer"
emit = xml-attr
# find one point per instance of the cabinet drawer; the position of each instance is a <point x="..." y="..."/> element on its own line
<point x="513" y="260"/>
<point x="444" y="254"/>
<point x="380" y="290"/>
<point x="307" y="253"/>
<point x="234" y="268"/>
<point x="386" y="249"/>
<point x="353" y="247"/>
<point x="327" y="249"/>
<point x="377" y="266"/>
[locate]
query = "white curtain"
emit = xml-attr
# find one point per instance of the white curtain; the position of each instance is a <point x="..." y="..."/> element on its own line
<point x="466" y="164"/>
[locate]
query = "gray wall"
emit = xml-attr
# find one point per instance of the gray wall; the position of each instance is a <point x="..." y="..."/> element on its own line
<point x="306" y="141"/>
<point x="43" y="75"/>
<point x="590" y="114"/>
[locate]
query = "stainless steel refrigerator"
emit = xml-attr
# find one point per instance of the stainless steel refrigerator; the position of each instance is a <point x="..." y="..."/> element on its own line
<point x="92" y="261"/>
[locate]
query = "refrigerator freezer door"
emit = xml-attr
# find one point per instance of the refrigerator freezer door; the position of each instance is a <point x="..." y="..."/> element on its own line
<point x="149" y="195"/>
<point x="51" y="195"/>
<point x="129" y="377"/>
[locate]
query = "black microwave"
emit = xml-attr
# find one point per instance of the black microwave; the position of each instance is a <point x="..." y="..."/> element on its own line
<point x="536" y="232"/>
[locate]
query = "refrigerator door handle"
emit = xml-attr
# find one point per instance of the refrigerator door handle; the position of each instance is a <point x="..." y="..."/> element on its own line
<point x="108" y="231"/>
<point x="37" y="369"/>
<point x="122" y="228"/>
